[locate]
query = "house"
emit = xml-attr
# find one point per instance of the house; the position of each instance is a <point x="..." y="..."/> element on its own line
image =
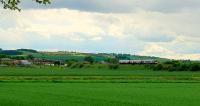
<point x="150" y="61"/>
<point x="23" y="63"/>
<point x="43" y="62"/>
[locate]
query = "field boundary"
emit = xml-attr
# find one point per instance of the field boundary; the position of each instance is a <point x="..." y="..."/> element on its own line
<point x="101" y="79"/>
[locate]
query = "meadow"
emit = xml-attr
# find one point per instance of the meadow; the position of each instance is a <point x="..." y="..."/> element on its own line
<point x="99" y="94"/>
<point x="95" y="74"/>
<point x="129" y="85"/>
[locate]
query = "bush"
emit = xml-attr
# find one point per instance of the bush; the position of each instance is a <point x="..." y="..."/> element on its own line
<point x="6" y="63"/>
<point x="77" y="65"/>
<point x="195" y="67"/>
<point x="113" y="66"/>
<point x="183" y="67"/>
<point x="89" y="59"/>
<point x="81" y="65"/>
<point x="159" y="67"/>
<point x="171" y="68"/>
<point x="112" y="60"/>
<point x="177" y="66"/>
<point x="69" y="63"/>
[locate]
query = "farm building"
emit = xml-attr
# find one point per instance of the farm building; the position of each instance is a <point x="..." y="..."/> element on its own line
<point x="138" y="61"/>
<point x="42" y="62"/>
<point x="25" y="62"/>
<point x="48" y="62"/>
<point x="22" y="62"/>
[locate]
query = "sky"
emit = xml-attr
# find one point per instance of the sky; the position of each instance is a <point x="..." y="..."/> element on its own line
<point x="163" y="28"/>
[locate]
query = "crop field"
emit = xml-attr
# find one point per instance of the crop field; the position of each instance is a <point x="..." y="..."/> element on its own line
<point x="123" y="74"/>
<point x="94" y="86"/>
<point x="91" y="71"/>
<point x="99" y="94"/>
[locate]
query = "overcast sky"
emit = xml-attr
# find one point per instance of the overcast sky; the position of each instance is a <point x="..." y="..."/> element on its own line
<point x="165" y="28"/>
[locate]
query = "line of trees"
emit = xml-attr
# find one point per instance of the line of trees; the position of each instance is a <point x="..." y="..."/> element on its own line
<point x="177" y="66"/>
<point x="28" y="57"/>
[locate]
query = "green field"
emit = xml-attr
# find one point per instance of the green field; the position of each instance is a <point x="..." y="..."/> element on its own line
<point x="97" y="86"/>
<point x="130" y="73"/>
<point x="123" y="74"/>
<point x="99" y="94"/>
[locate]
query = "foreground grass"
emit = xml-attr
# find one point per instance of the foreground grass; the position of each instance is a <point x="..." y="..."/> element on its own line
<point x="99" y="94"/>
<point x="126" y="86"/>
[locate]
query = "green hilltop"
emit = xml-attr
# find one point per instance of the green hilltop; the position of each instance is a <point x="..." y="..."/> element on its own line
<point x="74" y="56"/>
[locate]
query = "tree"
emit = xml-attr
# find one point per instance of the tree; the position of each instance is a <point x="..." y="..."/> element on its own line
<point x="30" y="57"/>
<point x="112" y="60"/>
<point x="13" y="4"/>
<point x="195" y="67"/>
<point x="3" y="56"/>
<point x="89" y="59"/>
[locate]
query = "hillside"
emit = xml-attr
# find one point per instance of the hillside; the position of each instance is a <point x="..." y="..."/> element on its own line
<point x="74" y="56"/>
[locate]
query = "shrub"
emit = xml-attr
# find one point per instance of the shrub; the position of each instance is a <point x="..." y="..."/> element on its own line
<point x="171" y="68"/>
<point x="195" y="67"/>
<point x="81" y="65"/>
<point x="183" y="67"/>
<point x="112" y="60"/>
<point x="6" y="63"/>
<point x="89" y="59"/>
<point x="74" y="65"/>
<point x="77" y="65"/>
<point x="69" y="63"/>
<point x="113" y="66"/>
<point x="158" y="67"/>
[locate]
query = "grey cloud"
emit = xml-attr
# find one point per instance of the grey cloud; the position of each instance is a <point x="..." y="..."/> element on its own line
<point x="157" y="38"/>
<point x="173" y="6"/>
<point x="119" y="6"/>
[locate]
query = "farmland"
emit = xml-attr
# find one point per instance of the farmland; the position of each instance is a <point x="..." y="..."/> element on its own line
<point x="99" y="94"/>
<point x="123" y="74"/>
<point x="97" y="85"/>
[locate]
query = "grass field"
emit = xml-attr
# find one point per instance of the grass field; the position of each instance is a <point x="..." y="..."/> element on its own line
<point x="123" y="74"/>
<point x="93" y="71"/>
<point x="99" y="94"/>
<point x="126" y="86"/>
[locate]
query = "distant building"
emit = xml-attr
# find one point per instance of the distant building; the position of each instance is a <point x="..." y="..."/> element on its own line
<point x="24" y="62"/>
<point x="138" y="61"/>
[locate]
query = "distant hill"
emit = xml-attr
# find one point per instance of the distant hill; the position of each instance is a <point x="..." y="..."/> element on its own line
<point x="75" y="56"/>
<point x="27" y="50"/>
<point x="10" y="52"/>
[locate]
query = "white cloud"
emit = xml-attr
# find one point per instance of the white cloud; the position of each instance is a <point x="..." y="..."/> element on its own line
<point x="156" y="50"/>
<point x="158" y="33"/>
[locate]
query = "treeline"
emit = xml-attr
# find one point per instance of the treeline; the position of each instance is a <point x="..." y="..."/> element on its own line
<point x="111" y="63"/>
<point x="28" y="57"/>
<point x="10" y="52"/>
<point x="16" y="52"/>
<point x="176" y="66"/>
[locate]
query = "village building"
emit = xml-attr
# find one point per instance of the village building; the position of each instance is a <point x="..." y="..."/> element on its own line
<point x="25" y="62"/>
